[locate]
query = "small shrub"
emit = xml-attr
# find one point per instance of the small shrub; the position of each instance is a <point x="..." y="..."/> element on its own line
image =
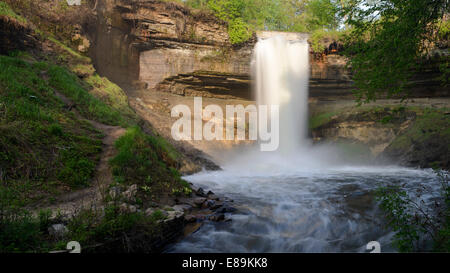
<point x="386" y="119"/>
<point x="414" y="222"/>
<point x="238" y="31"/>
<point x="55" y="129"/>
<point x="19" y="231"/>
<point x="77" y="170"/>
<point x="145" y="160"/>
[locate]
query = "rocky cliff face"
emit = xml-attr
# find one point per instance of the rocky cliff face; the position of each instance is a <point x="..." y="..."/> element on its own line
<point x="141" y="43"/>
<point x="208" y="84"/>
<point x="330" y="78"/>
<point x="159" y="47"/>
<point x="156" y="20"/>
<point x="415" y="134"/>
<point x="155" y="45"/>
<point x="176" y="58"/>
<point x="174" y="40"/>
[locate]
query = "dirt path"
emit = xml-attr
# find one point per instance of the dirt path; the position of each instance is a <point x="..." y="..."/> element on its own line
<point x="71" y="203"/>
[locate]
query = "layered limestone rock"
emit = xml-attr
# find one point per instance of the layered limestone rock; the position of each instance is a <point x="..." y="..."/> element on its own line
<point x="166" y="65"/>
<point x="140" y="43"/>
<point x="160" y="63"/>
<point x="165" y="52"/>
<point x="330" y="78"/>
<point x="413" y="134"/>
<point x="208" y="85"/>
<point x="148" y="44"/>
<point x="157" y="20"/>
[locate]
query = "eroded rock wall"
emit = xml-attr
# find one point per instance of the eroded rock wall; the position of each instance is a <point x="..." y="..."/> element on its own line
<point x="413" y="134"/>
<point x="15" y="35"/>
<point x="177" y="58"/>
<point x="148" y="44"/>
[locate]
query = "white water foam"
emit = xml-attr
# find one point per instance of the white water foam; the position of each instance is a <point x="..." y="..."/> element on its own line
<point x="301" y="198"/>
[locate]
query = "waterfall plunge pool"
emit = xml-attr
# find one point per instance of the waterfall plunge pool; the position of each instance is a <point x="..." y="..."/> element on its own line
<point x="332" y="210"/>
<point x="302" y="197"/>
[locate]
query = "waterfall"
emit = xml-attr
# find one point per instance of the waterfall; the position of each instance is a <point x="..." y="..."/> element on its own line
<point x="280" y="69"/>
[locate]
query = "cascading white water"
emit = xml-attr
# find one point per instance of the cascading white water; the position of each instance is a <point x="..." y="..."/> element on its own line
<point x="301" y="198"/>
<point x="281" y="74"/>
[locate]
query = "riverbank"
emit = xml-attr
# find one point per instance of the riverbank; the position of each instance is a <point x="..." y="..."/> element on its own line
<point x="77" y="163"/>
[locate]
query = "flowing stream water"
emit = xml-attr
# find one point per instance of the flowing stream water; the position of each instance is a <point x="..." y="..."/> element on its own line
<point x="302" y="197"/>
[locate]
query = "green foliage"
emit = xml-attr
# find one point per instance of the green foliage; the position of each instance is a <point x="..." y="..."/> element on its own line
<point x="158" y="214"/>
<point x="89" y="106"/>
<point x="67" y="49"/>
<point x="77" y="170"/>
<point x="406" y="225"/>
<point x="238" y="31"/>
<point x="19" y="231"/>
<point x="231" y="11"/>
<point x="320" y="119"/>
<point x="197" y="4"/>
<point x="429" y="124"/>
<point x="444" y="68"/>
<point x="443" y="30"/>
<point x="115" y="231"/>
<point x="319" y="36"/>
<point x="322" y="14"/>
<point x="386" y="119"/>
<point x="41" y="145"/>
<point x="100" y="87"/>
<point x="413" y="221"/>
<point x="112" y="95"/>
<point x="387" y="37"/>
<point x="142" y="159"/>
<point x="244" y="17"/>
<point x="6" y="10"/>
<point x="309" y="15"/>
<point x="55" y="129"/>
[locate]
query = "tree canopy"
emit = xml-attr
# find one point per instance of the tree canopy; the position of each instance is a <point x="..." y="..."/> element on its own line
<point x="386" y="40"/>
<point x="245" y="16"/>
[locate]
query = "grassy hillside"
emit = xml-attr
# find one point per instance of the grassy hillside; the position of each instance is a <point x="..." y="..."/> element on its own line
<point x="44" y="149"/>
<point x="49" y="147"/>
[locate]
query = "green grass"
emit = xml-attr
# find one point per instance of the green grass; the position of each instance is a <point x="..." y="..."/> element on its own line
<point x="67" y="49"/>
<point x="318" y="120"/>
<point x="88" y="105"/>
<point x="113" y="230"/>
<point x="112" y="95"/>
<point x="20" y="232"/>
<point x="42" y="146"/>
<point x="144" y="160"/>
<point x="82" y="69"/>
<point x="6" y="10"/>
<point x="318" y="39"/>
<point x="429" y="123"/>
<point x="113" y="109"/>
<point x="46" y="150"/>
